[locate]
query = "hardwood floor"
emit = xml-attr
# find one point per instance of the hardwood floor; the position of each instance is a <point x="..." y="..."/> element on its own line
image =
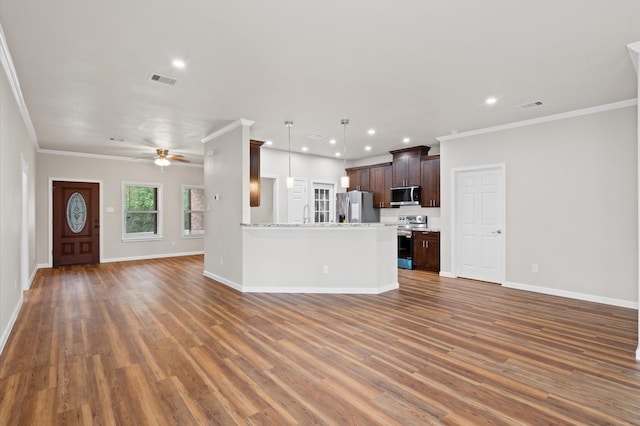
<point x="155" y="342"/>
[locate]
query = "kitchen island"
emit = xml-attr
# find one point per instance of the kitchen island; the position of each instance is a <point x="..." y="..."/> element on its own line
<point x="319" y="258"/>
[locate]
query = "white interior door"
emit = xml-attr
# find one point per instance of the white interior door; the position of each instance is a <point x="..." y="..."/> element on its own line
<point x="479" y="224"/>
<point x="297" y="199"/>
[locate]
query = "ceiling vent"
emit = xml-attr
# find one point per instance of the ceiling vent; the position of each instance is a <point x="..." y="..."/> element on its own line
<point x="163" y="79"/>
<point x="317" y="136"/>
<point x="535" y="104"/>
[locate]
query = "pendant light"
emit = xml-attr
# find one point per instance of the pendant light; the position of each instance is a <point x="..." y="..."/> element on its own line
<point x="344" y="180"/>
<point x="289" y="125"/>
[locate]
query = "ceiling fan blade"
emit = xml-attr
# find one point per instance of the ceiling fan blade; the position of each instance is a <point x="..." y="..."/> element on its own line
<point x="178" y="158"/>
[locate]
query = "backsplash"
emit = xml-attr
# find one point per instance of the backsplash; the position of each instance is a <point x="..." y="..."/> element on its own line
<point x="391" y="215"/>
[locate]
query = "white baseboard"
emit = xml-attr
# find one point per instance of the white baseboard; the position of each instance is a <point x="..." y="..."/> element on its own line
<point x="150" y="256"/>
<point x="224" y="281"/>
<point x="310" y="289"/>
<point x="321" y="290"/>
<point x="573" y="295"/>
<point x="448" y="274"/>
<point x="12" y="321"/>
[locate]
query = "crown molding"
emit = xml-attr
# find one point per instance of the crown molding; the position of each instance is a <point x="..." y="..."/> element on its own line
<point x="12" y="77"/>
<point x="110" y="157"/>
<point x="634" y="51"/>
<point x="539" y="120"/>
<point x="229" y="127"/>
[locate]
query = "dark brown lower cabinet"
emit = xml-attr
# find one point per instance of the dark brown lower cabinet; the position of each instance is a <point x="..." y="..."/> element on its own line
<point x="426" y="250"/>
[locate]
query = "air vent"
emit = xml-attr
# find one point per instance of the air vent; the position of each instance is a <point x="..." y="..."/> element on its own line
<point x="163" y="79"/>
<point x="535" y="104"/>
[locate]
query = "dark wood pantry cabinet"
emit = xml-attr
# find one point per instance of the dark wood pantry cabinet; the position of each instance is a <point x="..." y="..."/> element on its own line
<point x="426" y="250"/>
<point x="406" y="165"/>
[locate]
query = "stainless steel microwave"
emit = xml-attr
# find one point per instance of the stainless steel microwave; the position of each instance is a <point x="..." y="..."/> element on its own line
<point x="405" y="196"/>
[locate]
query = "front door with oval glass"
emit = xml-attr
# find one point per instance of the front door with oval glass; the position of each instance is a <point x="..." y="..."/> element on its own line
<point x="76" y="223"/>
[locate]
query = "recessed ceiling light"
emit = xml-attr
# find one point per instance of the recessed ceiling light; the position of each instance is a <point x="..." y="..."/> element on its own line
<point x="491" y="100"/>
<point x="367" y="148"/>
<point x="305" y="149"/>
<point x="179" y="63"/>
<point x="332" y="141"/>
<point x="269" y="142"/>
<point x="406" y="140"/>
<point x="338" y="154"/>
<point x="371" y="131"/>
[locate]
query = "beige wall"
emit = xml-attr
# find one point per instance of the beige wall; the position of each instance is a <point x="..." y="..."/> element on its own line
<point x="111" y="173"/>
<point x="571" y="201"/>
<point x="15" y="146"/>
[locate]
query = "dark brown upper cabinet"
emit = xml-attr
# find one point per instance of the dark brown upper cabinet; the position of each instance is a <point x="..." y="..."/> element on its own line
<point x="406" y="165"/>
<point x="430" y="195"/>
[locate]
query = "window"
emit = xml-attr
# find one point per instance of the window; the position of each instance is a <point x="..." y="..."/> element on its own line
<point x="142" y="211"/>
<point x="193" y="211"/>
<point x="322" y="197"/>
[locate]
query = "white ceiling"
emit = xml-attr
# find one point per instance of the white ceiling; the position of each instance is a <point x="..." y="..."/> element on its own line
<point x="411" y="68"/>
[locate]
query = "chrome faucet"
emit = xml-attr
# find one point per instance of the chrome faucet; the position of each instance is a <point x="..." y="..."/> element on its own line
<point x="306" y="212"/>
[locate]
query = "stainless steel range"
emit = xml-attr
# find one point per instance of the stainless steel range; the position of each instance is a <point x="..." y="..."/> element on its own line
<point x="406" y="226"/>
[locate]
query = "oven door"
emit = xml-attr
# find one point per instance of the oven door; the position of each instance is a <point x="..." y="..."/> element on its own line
<point x="405" y="250"/>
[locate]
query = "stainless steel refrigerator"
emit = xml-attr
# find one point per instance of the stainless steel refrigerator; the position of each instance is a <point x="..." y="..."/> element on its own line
<point x="356" y="207"/>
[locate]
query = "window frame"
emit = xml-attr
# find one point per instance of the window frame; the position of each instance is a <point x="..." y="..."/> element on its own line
<point x="143" y="236"/>
<point x="183" y="212"/>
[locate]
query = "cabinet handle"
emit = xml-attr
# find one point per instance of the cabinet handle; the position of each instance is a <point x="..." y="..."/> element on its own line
<point x="427" y="243"/>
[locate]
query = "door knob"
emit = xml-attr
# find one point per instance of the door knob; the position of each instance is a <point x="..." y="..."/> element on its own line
<point x="499" y="231"/>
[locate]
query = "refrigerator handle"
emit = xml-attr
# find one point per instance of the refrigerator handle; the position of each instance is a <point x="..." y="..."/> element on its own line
<point x="347" y="213"/>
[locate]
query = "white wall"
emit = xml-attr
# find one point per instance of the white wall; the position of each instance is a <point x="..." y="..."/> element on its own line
<point x="571" y="202"/>
<point x="310" y="167"/>
<point x="15" y="145"/>
<point x="226" y="177"/>
<point x="112" y="173"/>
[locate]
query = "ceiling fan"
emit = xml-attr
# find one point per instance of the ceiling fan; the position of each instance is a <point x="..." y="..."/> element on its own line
<point x="163" y="158"/>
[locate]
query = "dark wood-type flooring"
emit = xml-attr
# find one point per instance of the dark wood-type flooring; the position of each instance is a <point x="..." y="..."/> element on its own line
<point x="155" y="342"/>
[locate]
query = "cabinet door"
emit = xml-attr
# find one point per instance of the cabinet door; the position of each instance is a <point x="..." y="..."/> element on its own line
<point x="430" y="174"/>
<point x="400" y="169"/>
<point x="433" y="255"/>
<point x="380" y="185"/>
<point x="354" y="179"/>
<point x="419" y="254"/>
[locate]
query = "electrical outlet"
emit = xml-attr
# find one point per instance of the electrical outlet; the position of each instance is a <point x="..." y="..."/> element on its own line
<point x="534" y="267"/>
<point x="325" y="269"/>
